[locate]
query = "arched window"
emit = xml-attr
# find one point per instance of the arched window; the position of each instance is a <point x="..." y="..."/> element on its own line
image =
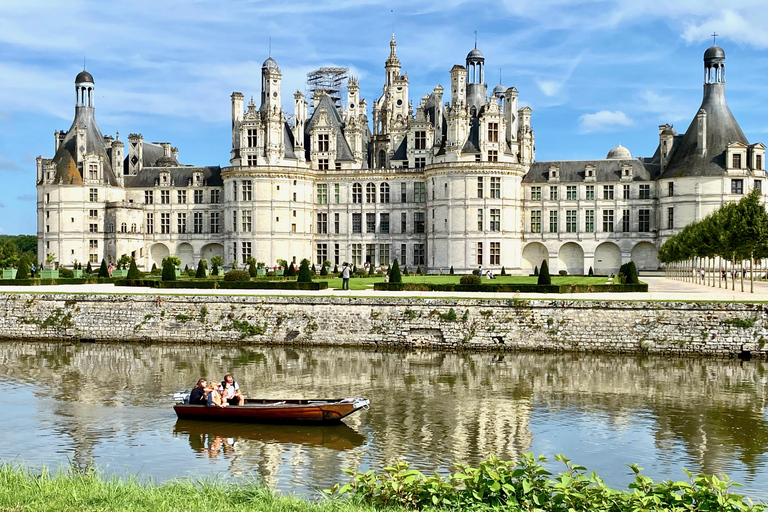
<point x="133" y="227"/>
<point x="357" y="193"/>
<point x="370" y="193"/>
<point x="384" y="192"/>
<point x="123" y="228"/>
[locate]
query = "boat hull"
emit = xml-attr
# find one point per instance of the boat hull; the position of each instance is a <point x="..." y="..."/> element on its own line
<point x="305" y="412"/>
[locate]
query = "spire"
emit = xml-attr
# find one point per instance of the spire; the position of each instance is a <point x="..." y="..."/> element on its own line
<point x="392" y="47"/>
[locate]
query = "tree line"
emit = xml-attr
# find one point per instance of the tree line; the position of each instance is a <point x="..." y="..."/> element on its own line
<point x="729" y="241"/>
<point x="12" y="248"/>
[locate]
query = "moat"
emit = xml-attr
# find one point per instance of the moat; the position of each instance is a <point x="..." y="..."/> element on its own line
<point x="110" y="404"/>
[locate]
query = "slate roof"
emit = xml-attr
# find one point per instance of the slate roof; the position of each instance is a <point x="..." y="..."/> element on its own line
<point x="472" y="144"/>
<point x="401" y="153"/>
<point x="180" y="176"/>
<point x="722" y="129"/>
<point x="343" y="151"/>
<point x="573" y="171"/>
<point x="67" y="171"/>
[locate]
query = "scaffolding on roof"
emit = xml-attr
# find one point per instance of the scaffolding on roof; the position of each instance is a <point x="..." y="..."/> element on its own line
<point x="329" y="80"/>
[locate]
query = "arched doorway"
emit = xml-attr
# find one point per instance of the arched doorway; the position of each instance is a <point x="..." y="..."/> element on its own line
<point x="211" y="250"/>
<point x="158" y="253"/>
<point x="571" y="259"/>
<point x="533" y="254"/>
<point x="607" y="258"/>
<point x="187" y="256"/>
<point x="646" y="256"/>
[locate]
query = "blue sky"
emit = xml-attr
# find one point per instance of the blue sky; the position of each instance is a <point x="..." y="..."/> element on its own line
<point x="595" y="73"/>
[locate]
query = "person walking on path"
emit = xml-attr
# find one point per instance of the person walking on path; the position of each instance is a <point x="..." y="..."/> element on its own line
<point x="345" y="277"/>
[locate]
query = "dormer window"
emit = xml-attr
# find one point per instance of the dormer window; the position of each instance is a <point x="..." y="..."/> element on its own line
<point x="736" y="159"/>
<point x="323" y="142"/>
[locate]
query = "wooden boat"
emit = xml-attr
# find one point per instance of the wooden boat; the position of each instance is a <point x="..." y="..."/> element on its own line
<point x="310" y="412"/>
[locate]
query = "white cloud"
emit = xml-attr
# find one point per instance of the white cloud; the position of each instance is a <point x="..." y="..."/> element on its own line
<point x="665" y="108"/>
<point x="27" y="197"/>
<point x="604" y="121"/>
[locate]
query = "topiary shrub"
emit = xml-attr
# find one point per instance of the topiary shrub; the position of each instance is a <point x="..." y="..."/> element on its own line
<point x="405" y="271"/>
<point x="216" y="262"/>
<point x="305" y="276"/>
<point x="418" y="270"/>
<point x="591" y="272"/>
<point x="323" y="270"/>
<point x="252" y="268"/>
<point x="562" y="272"/>
<point x="66" y="273"/>
<point x="370" y="270"/>
<point x="544" y="277"/>
<point x="103" y="272"/>
<point x="88" y="269"/>
<point x="133" y="271"/>
<point x="290" y="270"/>
<point x="154" y="267"/>
<point x="536" y="270"/>
<point x="503" y="271"/>
<point x="23" y="271"/>
<point x="394" y="274"/>
<point x="335" y="269"/>
<point x="631" y="273"/>
<point x="169" y="270"/>
<point x="451" y="270"/>
<point x="202" y="265"/>
<point x="237" y="275"/>
<point x="470" y="279"/>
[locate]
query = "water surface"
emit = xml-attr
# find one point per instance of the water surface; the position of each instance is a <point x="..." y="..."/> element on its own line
<point x="110" y="404"/>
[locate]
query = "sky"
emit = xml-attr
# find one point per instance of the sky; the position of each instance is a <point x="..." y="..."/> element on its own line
<point x="596" y="73"/>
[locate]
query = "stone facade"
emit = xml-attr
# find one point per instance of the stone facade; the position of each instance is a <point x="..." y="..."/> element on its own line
<point x="722" y="329"/>
<point x="434" y="184"/>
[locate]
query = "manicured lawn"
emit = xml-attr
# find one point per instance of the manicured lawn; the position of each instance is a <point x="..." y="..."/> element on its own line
<point x="366" y="283"/>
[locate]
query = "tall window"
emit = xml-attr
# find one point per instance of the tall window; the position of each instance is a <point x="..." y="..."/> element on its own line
<point x="403" y="254"/>
<point x="181" y="223"/>
<point x="357" y="193"/>
<point x="570" y="193"/>
<point x="357" y="222"/>
<point x="419" y="192"/>
<point x="215" y="196"/>
<point x="322" y="253"/>
<point x="246" y="214"/>
<point x="670" y="218"/>
<point x="607" y="191"/>
<point x="625" y="221"/>
<point x="150" y="223"/>
<point x="625" y="194"/>
<point x="246" y="190"/>
<point x="496" y="188"/>
<point x="322" y="223"/>
<point x="383" y="254"/>
<point x="495" y="224"/>
<point x="420" y="140"/>
<point x="480" y="224"/>
<point x="93" y="195"/>
<point x="246" y="251"/>
<point x="322" y="193"/>
<point x="479" y="253"/>
<point x="357" y="254"/>
<point x="479" y="186"/>
<point x="493" y="155"/>
<point x="493" y="132"/>
<point x="644" y="221"/>
<point x="553" y="193"/>
<point x="165" y="223"/>
<point x="589" y="192"/>
<point x="165" y="196"/>
<point x="336" y="222"/>
<point x="553" y="221"/>
<point x="370" y="253"/>
<point x="370" y="192"/>
<point x="759" y="186"/>
<point x="670" y="189"/>
<point x="608" y="221"/>
<point x="418" y="254"/>
<point x="759" y="162"/>
<point x="92" y="228"/>
<point x="384" y="223"/>
<point x="234" y="220"/>
<point x="197" y="223"/>
<point x="94" y="214"/>
<point x="403" y="222"/>
<point x="737" y="186"/>
<point x="149" y="196"/>
<point x="589" y="221"/>
<point x="93" y="245"/>
<point x="737" y="161"/>
<point x="252" y="137"/>
<point x="93" y="171"/>
<point x="535" y="193"/>
<point x="418" y="222"/>
<point x="384" y="193"/>
<point x="214" y="222"/>
<point x="336" y="193"/>
<point x="644" y="192"/>
<point x="536" y="221"/>
<point x="403" y="192"/>
<point x="323" y="142"/>
<point x="181" y="196"/>
<point x="495" y="256"/>
<point x="198" y="197"/>
<point x="570" y="221"/>
<point x="370" y="222"/>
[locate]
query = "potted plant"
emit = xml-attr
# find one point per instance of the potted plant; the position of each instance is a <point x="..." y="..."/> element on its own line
<point x="176" y="261"/>
<point x="260" y="270"/>
<point x="49" y="273"/>
<point x="9" y="273"/>
<point x="77" y="270"/>
<point x="121" y="271"/>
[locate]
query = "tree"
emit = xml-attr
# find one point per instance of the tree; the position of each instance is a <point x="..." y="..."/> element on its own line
<point x="175" y="260"/>
<point x="217" y="263"/>
<point x="123" y="261"/>
<point x="103" y="272"/>
<point x="252" y="267"/>
<point x="394" y="274"/>
<point x="50" y="259"/>
<point x="133" y="271"/>
<point x="169" y="270"/>
<point x="9" y="253"/>
<point x="23" y="271"/>
<point x="544" y="277"/>
<point x="305" y="276"/>
<point x="89" y="269"/>
<point x="202" y="266"/>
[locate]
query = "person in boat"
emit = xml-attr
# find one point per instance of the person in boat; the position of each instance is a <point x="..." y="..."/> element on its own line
<point x="199" y="394"/>
<point x="229" y="390"/>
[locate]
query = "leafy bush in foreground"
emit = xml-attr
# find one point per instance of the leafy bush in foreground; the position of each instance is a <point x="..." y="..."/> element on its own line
<point x="527" y="485"/>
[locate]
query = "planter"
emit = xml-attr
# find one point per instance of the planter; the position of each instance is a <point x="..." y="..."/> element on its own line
<point x="119" y="273"/>
<point x="78" y="273"/>
<point x="178" y="273"/>
<point x="10" y="273"/>
<point x="279" y="272"/>
<point x="261" y="271"/>
<point x="49" y="274"/>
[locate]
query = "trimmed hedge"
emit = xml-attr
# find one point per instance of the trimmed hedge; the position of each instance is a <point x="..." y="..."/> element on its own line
<point x="50" y="282"/>
<point x="506" y="288"/>
<point x="225" y="285"/>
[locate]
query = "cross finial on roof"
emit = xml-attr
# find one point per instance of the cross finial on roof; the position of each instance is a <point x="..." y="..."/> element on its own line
<point x="714" y="37"/>
<point x="475" y="39"/>
<point x="270" y="47"/>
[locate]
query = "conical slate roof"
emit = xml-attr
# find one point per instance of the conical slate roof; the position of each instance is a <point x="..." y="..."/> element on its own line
<point x="67" y="172"/>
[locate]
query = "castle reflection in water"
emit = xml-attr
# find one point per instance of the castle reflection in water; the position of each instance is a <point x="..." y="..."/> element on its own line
<point x="431" y="408"/>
